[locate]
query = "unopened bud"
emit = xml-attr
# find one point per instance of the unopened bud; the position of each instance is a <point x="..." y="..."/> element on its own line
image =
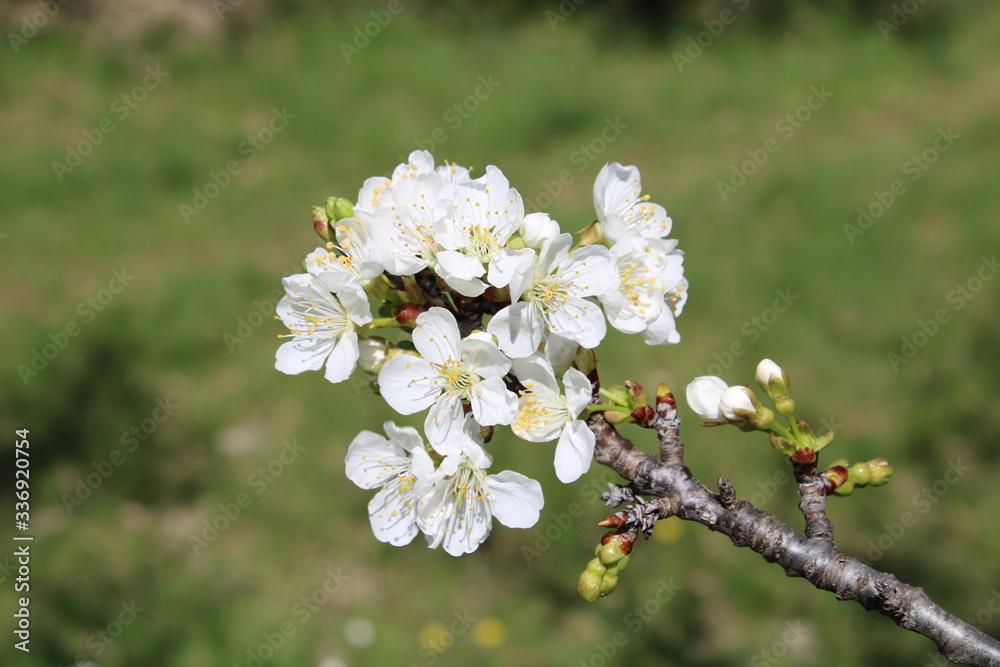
<point x="845" y="489"/>
<point x="608" y="583"/>
<point x="592" y="234"/>
<point x="861" y="474"/>
<point x="408" y="313"/>
<point x="589" y="586"/>
<point x="321" y="223"/>
<point x="881" y="472"/>
<point x="612" y="552"/>
<point x="338" y="208"/>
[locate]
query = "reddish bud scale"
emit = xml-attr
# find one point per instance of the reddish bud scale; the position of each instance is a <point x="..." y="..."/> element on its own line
<point x="665" y="399"/>
<point x="833" y="478"/>
<point x="805" y="455"/>
<point x="644" y="416"/>
<point x="407" y="314"/>
<point x="614" y="521"/>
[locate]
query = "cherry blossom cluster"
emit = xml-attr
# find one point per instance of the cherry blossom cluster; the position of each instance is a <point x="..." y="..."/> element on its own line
<point x="448" y="298"/>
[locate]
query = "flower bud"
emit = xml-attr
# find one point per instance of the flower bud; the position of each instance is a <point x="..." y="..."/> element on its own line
<point x="740" y="406"/>
<point x="861" y="474"/>
<point x="608" y="583"/>
<point x="592" y="234"/>
<point x="372" y="353"/>
<point x="589" y="586"/>
<point x="611" y="552"/>
<point x="338" y="208"/>
<point x="704" y="395"/>
<point x="775" y="383"/>
<point x="881" y="472"/>
<point x="845" y="489"/>
<point x="321" y="223"/>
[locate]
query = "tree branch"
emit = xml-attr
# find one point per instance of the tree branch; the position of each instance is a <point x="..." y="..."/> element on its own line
<point x="813" y="557"/>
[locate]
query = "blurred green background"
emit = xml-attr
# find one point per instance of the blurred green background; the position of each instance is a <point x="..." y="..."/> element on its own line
<point x="139" y="340"/>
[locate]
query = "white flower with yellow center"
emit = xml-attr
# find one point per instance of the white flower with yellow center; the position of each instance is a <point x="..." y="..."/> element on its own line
<point x="343" y="268"/>
<point x="322" y="329"/>
<point x="622" y="209"/>
<point x="399" y="466"/>
<point x="651" y="289"/>
<point x="546" y="413"/>
<point x="551" y="299"/>
<point x="457" y="513"/>
<point x="487" y="212"/>
<point x="449" y="372"/>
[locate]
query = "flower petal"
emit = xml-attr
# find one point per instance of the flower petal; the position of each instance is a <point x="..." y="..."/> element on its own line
<point x="409" y="384"/>
<point x="515" y="500"/>
<point x="574" y="452"/>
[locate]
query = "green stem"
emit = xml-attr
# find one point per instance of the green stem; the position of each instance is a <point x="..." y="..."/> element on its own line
<point x="605" y="407"/>
<point x="378" y="323"/>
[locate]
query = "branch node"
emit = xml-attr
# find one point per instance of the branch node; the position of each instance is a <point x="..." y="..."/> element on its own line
<point x="727" y="494"/>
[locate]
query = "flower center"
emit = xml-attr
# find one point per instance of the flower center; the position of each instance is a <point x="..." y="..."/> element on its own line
<point x="549" y="292"/>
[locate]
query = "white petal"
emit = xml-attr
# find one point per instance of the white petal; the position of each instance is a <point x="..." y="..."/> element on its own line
<point x="579" y="391"/>
<point x="461" y="272"/>
<point x="444" y="424"/>
<point x="535" y="369"/>
<point x="406" y="437"/>
<point x="515" y="500"/>
<point x="703" y="395"/>
<point x="590" y="270"/>
<point x="343" y="358"/>
<point x="508" y="264"/>
<point x="518" y="335"/>
<point x="392" y="513"/>
<point x="492" y="403"/>
<point x="574" y="452"/>
<point x="302" y="354"/>
<point x="579" y="320"/>
<point x="372" y="460"/>
<point x="436" y="336"/>
<point x="536" y="228"/>
<point x="409" y="384"/>
<point x="560" y="352"/>
<point x="484" y="358"/>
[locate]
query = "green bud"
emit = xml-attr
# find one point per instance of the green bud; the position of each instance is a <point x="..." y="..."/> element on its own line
<point x="608" y="584"/>
<point x="881" y="472"/>
<point x="596" y="567"/>
<point x="588" y="588"/>
<point x="845" y="489"/>
<point x="840" y="462"/>
<point x="860" y="473"/>
<point x="763" y="419"/>
<point x="611" y="552"/>
<point x="338" y="208"/>
<point x="622" y="565"/>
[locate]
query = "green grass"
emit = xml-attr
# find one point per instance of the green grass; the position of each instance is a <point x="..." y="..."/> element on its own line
<point x="165" y="334"/>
